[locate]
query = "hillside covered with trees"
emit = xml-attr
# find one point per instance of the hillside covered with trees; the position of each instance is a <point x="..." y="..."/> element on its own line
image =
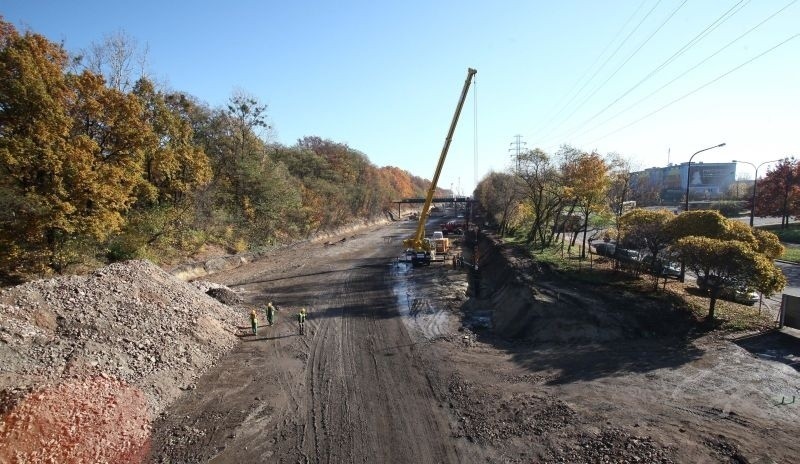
<point x="100" y="166"/>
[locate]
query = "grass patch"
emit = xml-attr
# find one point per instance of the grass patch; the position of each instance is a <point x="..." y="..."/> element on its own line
<point x="791" y="254"/>
<point x="729" y="316"/>
<point x="789" y="234"/>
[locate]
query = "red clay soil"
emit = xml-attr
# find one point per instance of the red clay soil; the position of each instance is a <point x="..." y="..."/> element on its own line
<point x="97" y="419"/>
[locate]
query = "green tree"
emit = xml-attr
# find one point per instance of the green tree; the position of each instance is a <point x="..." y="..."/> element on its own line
<point x="174" y="165"/>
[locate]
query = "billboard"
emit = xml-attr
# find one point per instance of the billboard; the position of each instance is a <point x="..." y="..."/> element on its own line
<point x="718" y="176"/>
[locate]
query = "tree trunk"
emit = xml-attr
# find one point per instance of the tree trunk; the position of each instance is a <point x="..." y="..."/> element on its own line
<point x="714" y="292"/>
<point x="711" y="305"/>
<point x="585" y="229"/>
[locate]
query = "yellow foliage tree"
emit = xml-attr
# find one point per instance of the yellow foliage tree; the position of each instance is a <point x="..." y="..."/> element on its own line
<point x="71" y="154"/>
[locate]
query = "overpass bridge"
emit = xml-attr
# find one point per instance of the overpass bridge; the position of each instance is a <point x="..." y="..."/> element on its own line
<point x="451" y="200"/>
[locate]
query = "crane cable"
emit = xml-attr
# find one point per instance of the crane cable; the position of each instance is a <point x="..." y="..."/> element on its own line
<point x="475" y="131"/>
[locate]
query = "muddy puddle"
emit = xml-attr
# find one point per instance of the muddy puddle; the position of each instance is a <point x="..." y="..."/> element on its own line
<point x="424" y="316"/>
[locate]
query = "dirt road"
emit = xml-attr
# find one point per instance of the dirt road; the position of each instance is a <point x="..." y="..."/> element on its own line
<point x="386" y="373"/>
<point x="353" y="389"/>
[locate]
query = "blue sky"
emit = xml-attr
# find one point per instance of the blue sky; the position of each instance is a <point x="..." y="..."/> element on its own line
<point x="384" y="77"/>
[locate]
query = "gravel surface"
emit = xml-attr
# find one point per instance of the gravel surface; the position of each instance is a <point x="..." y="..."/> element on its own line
<point x="127" y="334"/>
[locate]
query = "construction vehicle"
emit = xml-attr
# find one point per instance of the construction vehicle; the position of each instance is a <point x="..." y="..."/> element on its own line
<point x="423" y="250"/>
<point x="454" y="226"/>
<point x="440" y="243"/>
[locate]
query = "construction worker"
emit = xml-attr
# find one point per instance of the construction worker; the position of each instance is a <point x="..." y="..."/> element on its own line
<point x="301" y="320"/>
<point x="254" y="321"/>
<point x="270" y="313"/>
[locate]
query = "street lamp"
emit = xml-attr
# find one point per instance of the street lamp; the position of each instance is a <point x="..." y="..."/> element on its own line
<point x="689" y="169"/>
<point x="755" y="181"/>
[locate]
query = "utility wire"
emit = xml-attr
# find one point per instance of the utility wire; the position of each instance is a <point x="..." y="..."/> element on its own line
<point x="637" y="102"/>
<point x="694" y="41"/>
<point x="585" y="73"/>
<point x="697" y="89"/>
<point x="626" y="61"/>
<point x="624" y="41"/>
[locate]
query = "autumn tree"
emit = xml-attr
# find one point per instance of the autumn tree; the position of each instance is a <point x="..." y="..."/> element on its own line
<point x="778" y="193"/>
<point x="728" y="264"/>
<point x="726" y="254"/>
<point x="768" y="244"/>
<point x="644" y="191"/>
<point x="543" y="195"/>
<point x="648" y="230"/>
<point x="619" y="184"/>
<point x="587" y="182"/>
<point x="498" y="195"/>
<point x="71" y="151"/>
<point x="174" y="165"/>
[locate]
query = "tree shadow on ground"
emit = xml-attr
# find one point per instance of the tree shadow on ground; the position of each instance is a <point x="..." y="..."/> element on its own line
<point x="608" y="330"/>
<point x="364" y="290"/>
<point x="774" y="345"/>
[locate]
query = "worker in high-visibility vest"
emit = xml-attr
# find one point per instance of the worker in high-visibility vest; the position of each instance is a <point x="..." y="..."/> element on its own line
<point x="301" y="320"/>
<point x="254" y="321"/>
<point x="270" y="313"/>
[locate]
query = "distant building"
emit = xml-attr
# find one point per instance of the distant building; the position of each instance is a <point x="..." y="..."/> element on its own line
<point x="707" y="181"/>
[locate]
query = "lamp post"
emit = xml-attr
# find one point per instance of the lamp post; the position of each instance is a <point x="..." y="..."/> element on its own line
<point x="689" y="169"/>
<point x="755" y="181"/>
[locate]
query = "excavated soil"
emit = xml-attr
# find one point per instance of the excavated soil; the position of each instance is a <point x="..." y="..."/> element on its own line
<point x="400" y="365"/>
<point x="512" y="363"/>
<point x="88" y="362"/>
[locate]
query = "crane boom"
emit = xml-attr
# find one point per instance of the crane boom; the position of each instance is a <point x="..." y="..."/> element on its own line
<point x="417" y="242"/>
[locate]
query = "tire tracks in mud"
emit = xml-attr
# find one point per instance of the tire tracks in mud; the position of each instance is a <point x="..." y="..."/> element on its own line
<point x="354" y="389"/>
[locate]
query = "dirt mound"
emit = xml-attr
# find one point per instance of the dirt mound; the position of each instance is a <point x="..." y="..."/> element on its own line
<point x="224" y="295"/>
<point x="131" y="324"/>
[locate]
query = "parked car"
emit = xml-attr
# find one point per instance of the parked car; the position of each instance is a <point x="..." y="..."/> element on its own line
<point x="627" y="256"/>
<point x="605" y="249"/>
<point x="661" y="267"/>
<point x="741" y="295"/>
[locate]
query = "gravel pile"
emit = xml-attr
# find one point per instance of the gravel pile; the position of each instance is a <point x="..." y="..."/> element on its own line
<point x="617" y="446"/>
<point x="487" y="418"/>
<point x="130" y="324"/>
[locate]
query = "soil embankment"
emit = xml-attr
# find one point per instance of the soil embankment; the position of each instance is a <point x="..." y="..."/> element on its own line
<point x="540" y="306"/>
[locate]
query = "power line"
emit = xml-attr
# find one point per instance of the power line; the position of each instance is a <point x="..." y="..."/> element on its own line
<point x="585" y="73"/>
<point x="694" y="41"/>
<point x="703" y="61"/>
<point x="698" y="89"/>
<point x="626" y="61"/>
